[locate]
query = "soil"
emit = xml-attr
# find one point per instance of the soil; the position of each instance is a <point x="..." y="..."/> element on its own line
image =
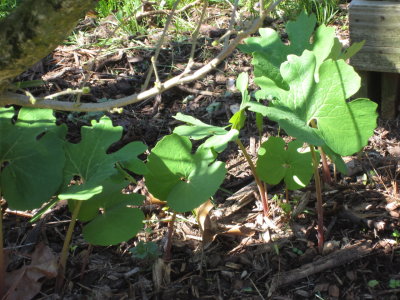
<point x="237" y="255"/>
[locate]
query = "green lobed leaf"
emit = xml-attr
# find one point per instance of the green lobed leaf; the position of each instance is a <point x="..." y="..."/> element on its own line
<point x="275" y="163"/>
<point x="343" y="127"/>
<point x="31" y="156"/>
<point x="183" y="179"/>
<point x="269" y="52"/>
<point x="89" y="159"/>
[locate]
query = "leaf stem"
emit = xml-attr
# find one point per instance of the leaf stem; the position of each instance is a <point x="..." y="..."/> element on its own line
<point x="65" y="250"/>
<point x="325" y="167"/>
<point x="318" y="190"/>
<point x="261" y="188"/>
<point x="168" y="245"/>
<point x="2" y="260"/>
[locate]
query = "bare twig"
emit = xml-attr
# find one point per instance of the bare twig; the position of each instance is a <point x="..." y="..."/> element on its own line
<point x="13" y="98"/>
<point x="159" y="44"/>
<point x="333" y="260"/>
<point x="141" y="15"/>
<point x="231" y="22"/>
<point x="194" y="38"/>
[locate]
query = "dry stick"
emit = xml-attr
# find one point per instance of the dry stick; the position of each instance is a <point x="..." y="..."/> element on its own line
<point x="164" y="11"/>
<point x="318" y="190"/>
<point x="332" y="260"/>
<point x="17" y="99"/>
<point x="261" y="188"/>
<point x="2" y="260"/>
<point x="159" y="44"/>
<point x="194" y="39"/>
<point x="65" y="250"/>
<point x="231" y="22"/>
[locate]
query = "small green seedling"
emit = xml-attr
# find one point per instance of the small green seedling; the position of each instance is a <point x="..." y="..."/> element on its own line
<point x="394" y="283"/>
<point x="145" y="250"/>
<point x="373" y="283"/>
<point x="275" y="163"/>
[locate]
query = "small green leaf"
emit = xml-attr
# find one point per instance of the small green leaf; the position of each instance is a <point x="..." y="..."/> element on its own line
<point x="373" y="283"/>
<point x="196" y="129"/>
<point x="352" y="50"/>
<point x="242" y="82"/>
<point x="145" y="250"/>
<point x="183" y="179"/>
<point x="218" y="136"/>
<point x="394" y="283"/>
<point x="238" y="119"/>
<point x="275" y="163"/>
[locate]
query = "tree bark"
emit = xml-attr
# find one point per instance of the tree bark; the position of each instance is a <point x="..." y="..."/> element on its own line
<point x="33" y="30"/>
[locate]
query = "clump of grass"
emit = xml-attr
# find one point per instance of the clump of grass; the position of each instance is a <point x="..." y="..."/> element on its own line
<point x="325" y="10"/>
<point x="6" y="6"/>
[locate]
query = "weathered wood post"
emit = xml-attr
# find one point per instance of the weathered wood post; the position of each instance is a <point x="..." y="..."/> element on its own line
<point x="378" y="23"/>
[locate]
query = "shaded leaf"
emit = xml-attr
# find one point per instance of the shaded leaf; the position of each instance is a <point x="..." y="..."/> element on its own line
<point x="183" y="179"/>
<point x="89" y="159"/>
<point x="31" y="156"/>
<point x="275" y="163"/>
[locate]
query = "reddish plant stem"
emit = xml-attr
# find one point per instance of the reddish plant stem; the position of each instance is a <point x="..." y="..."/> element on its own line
<point x="2" y="260"/>
<point x="168" y="245"/>
<point x="318" y="190"/>
<point x="65" y="250"/>
<point x="325" y="167"/>
<point x="261" y="188"/>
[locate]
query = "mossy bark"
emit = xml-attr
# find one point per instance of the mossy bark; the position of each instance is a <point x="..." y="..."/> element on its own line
<point x="33" y="30"/>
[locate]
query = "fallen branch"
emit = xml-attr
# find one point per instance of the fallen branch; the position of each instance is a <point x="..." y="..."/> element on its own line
<point x="330" y="261"/>
<point x="22" y="100"/>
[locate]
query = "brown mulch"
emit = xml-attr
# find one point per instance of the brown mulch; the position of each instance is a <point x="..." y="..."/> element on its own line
<point x="238" y="256"/>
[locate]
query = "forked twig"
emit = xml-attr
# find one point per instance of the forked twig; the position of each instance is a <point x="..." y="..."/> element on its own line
<point x="13" y="98"/>
<point x="159" y="44"/>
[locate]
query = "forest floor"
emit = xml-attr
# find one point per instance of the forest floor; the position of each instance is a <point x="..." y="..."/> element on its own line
<point x="238" y="256"/>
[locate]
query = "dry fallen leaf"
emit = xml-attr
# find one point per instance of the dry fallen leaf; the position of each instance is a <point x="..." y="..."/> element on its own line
<point x="25" y="283"/>
<point x="207" y="226"/>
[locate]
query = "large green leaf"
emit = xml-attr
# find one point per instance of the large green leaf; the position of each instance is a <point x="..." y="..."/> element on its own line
<point x="183" y="179"/>
<point x="89" y="159"/>
<point x="275" y="163"/>
<point x="269" y="52"/>
<point x="343" y="126"/>
<point x="31" y="157"/>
